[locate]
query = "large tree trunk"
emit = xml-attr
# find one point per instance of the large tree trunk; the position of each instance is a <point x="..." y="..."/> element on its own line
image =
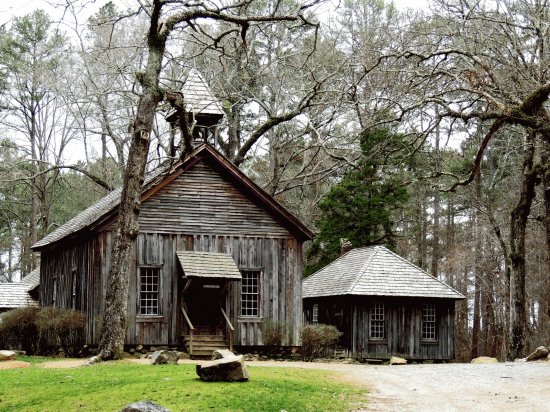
<point x="113" y="330"/>
<point x="437" y="207"/>
<point x="518" y="227"/>
<point x="545" y="161"/>
<point x="476" y="231"/>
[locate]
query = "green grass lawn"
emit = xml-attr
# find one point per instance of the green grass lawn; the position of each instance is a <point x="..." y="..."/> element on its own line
<point x="110" y="386"/>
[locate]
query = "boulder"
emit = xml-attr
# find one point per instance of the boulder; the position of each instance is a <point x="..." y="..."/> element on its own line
<point x="163" y="357"/>
<point x="394" y="360"/>
<point x="484" y="359"/>
<point x="144" y="406"/>
<point x="222" y="353"/>
<point x="539" y="353"/>
<point x="6" y="355"/>
<point x="230" y="369"/>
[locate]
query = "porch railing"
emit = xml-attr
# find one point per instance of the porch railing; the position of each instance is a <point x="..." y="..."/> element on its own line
<point x="230" y="329"/>
<point x="191" y="328"/>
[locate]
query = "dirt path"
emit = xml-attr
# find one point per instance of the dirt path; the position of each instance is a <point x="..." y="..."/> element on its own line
<point x="502" y="387"/>
<point x="14" y="364"/>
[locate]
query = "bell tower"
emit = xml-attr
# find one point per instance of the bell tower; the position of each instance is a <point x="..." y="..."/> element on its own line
<point x="204" y="110"/>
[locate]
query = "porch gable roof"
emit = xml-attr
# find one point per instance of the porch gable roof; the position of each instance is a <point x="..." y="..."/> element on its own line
<point x="208" y="265"/>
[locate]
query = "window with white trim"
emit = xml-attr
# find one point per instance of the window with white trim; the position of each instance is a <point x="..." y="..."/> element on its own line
<point x="149" y="291"/>
<point x="315" y="314"/>
<point x="428" y="322"/>
<point x="250" y="293"/>
<point x="377" y="321"/>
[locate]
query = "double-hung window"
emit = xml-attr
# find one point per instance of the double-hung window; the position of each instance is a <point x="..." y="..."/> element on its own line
<point x="428" y="322"/>
<point x="250" y="293"/>
<point x="149" y="291"/>
<point x="377" y="321"/>
<point x="315" y="314"/>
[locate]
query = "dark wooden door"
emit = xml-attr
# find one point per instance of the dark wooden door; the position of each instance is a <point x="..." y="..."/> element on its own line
<point x="203" y="302"/>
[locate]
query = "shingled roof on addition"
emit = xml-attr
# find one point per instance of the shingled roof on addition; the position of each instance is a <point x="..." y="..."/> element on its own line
<point x="16" y="295"/>
<point x="375" y="271"/>
<point x="108" y="205"/>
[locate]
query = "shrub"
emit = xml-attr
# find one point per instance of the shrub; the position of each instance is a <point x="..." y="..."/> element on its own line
<point x="62" y="327"/>
<point x="273" y="332"/>
<point x="317" y="340"/>
<point x="71" y="331"/>
<point x="34" y="330"/>
<point x="18" y="330"/>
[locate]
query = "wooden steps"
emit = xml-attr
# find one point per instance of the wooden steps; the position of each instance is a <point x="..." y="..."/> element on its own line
<point x="204" y="345"/>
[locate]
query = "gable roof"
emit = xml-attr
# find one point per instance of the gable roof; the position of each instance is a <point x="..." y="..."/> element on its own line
<point x="375" y="271"/>
<point x="208" y="265"/>
<point x="15" y="295"/>
<point x="107" y="207"/>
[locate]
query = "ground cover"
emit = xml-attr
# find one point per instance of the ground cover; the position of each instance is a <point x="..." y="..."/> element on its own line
<point x="109" y="386"/>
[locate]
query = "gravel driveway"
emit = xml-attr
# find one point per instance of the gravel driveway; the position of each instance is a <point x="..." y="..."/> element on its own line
<point x="498" y="387"/>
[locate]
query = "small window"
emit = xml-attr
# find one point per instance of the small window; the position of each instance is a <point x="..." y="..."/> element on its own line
<point x="377" y="321"/>
<point x="250" y="293"/>
<point x="315" y="315"/>
<point x="54" y="296"/>
<point x="149" y="286"/>
<point x="428" y="322"/>
<point x="74" y="287"/>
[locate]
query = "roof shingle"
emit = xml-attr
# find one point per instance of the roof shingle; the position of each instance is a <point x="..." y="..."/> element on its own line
<point x="15" y="295"/>
<point x="375" y="271"/>
<point x="208" y="265"/>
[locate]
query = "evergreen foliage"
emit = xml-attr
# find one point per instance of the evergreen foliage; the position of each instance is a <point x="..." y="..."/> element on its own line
<point x="360" y="207"/>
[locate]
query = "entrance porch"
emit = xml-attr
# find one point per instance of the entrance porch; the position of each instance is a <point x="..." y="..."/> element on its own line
<point x="204" y="303"/>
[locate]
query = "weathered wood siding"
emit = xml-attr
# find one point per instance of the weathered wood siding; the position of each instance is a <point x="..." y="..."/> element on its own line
<point x="201" y="201"/>
<point x="198" y="211"/>
<point x="82" y="261"/>
<point x="403" y="319"/>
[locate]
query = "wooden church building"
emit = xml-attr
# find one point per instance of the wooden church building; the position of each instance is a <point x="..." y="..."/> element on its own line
<point x="215" y="257"/>
<point x="383" y="305"/>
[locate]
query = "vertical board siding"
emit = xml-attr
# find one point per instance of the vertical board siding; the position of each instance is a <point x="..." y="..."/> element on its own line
<point x="403" y="326"/>
<point x="280" y="261"/>
<point x="200" y="210"/>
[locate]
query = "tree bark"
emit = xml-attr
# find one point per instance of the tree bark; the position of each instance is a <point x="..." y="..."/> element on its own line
<point x="518" y="227"/>
<point x="476" y="231"/>
<point x="114" y="325"/>
<point x="545" y="161"/>
<point x="437" y="207"/>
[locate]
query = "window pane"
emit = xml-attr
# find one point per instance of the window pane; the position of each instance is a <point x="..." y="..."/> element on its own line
<point x="149" y="291"/>
<point x="315" y="317"/>
<point x="377" y="321"/>
<point x="428" y="322"/>
<point x="250" y="296"/>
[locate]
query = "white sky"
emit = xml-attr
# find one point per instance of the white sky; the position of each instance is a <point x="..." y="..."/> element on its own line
<point x="12" y="8"/>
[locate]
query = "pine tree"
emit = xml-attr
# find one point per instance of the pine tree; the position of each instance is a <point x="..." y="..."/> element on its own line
<point x="360" y="207"/>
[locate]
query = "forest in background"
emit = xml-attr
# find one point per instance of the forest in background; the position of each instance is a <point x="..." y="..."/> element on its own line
<point x="425" y="131"/>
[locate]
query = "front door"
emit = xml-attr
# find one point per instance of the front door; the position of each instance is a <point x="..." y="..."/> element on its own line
<point x="203" y="303"/>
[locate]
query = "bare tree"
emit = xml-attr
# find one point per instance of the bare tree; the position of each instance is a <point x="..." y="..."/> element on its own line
<point x="164" y="18"/>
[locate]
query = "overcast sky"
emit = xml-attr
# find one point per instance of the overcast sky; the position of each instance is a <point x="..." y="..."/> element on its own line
<point x="12" y="8"/>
